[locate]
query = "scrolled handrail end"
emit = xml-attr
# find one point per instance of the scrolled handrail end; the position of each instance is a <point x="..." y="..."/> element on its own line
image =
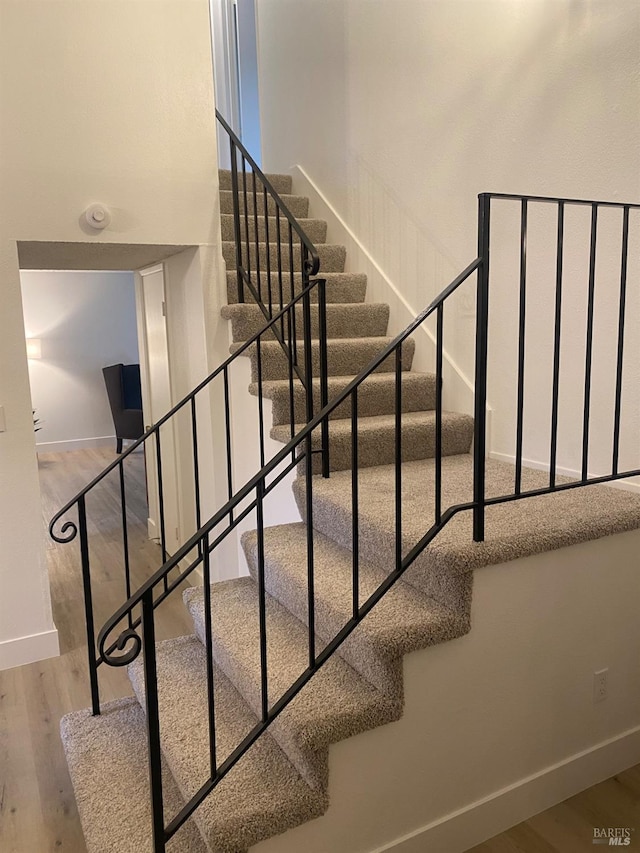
<point x="67" y="526"/>
<point x="108" y="656"/>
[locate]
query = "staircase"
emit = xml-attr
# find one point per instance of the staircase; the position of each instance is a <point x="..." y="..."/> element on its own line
<point x="256" y="637"/>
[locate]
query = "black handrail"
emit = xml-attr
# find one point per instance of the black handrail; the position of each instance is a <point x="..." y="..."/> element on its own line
<point x="559" y="200"/>
<point x="117" y="463"/>
<point x="268" y="469"/>
<point x="129" y="642"/>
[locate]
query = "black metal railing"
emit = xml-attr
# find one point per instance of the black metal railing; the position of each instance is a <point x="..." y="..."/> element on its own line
<point x="119" y="646"/>
<point x="120" y="642"/>
<point x="296" y="340"/>
<point x="559" y="216"/>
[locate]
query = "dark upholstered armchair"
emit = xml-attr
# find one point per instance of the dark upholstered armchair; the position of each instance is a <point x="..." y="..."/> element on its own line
<point x="125" y="399"/>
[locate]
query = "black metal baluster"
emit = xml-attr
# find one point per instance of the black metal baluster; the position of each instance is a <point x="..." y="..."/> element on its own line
<point x="589" y="343"/>
<point x="307" y="336"/>
<point x="324" y="371"/>
<point x="196" y="468"/>
<point x="293" y="290"/>
<point x="279" y="256"/>
<point x="290" y="365"/>
<point x="262" y="607"/>
<point x="208" y="633"/>
<point x="256" y="235"/>
<point x="246" y="216"/>
<point x="480" y="394"/>
<point x="153" y="721"/>
<point x="260" y="401"/>
<point x="398" y="454"/>
<point x="125" y="537"/>
<point x="227" y="430"/>
<point x="556" y="347"/>
<point x="163" y="533"/>
<point x="268" y="245"/>
<point x="236" y="218"/>
<point x="620" y="354"/>
<point x="355" y="530"/>
<point x="308" y="378"/>
<point x="438" y="441"/>
<point x="88" y="605"/>
<point x="521" y="344"/>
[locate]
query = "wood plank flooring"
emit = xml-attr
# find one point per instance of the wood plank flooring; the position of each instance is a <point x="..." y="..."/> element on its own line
<point x="37" y="807"/>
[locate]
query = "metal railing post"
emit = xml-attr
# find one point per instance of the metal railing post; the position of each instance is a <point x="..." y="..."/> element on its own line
<point x="153" y="721"/>
<point x="480" y="402"/>
<point x="88" y="606"/>
<point x="236" y="218"/>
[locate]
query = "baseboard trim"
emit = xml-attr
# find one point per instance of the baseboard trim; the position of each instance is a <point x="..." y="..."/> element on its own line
<point x="34" y="647"/>
<point x="625" y="485"/>
<point x="503" y="809"/>
<point x="76" y="444"/>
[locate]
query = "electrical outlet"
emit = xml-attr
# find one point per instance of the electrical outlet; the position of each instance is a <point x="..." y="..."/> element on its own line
<point x="600" y="685"/>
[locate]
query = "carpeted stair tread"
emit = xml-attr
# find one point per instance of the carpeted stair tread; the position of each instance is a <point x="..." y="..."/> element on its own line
<point x="360" y="319"/>
<point x="376" y="395"/>
<point x="107" y="760"/>
<point x="377" y="434"/>
<point x="280" y="183"/>
<point x="344" y="356"/>
<point x="332" y="257"/>
<point x="513" y="530"/>
<point x="403" y="620"/>
<point x="315" y="229"/>
<point x="297" y="205"/>
<point x="341" y="287"/>
<point x="262" y="795"/>
<point x="338" y="704"/>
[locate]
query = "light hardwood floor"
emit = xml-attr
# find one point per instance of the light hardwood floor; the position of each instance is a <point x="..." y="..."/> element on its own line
<point x="37" y="807"/>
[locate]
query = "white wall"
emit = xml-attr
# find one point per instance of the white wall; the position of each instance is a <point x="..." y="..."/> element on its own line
<point x="118" y="108"/>
<point x="402" y="111"/>
<point x="85" y="321"/>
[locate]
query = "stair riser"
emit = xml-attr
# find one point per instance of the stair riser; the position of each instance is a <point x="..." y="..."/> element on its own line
<point x="332" y="258"/>
<point x="354" y="650"/>
<point x="280" y="183"/>
<point x="341" y="360"/>
<point x="315" y="229"/>
<point x="378" y="448"/>
<point x="376" y="546"/>
<point x="374" y="400"/>
<point x="297" y="205"/>
<point x="362" y="321"/>
<point x="341" y="288"/>
<point x="224" y="657"/>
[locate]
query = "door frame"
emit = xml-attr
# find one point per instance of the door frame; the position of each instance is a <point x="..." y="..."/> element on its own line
<point x="172" y="525"/>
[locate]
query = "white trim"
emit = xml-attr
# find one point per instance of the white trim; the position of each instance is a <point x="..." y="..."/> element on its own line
<point x="507" y="807"/>
<point x="624" y="485"/>
<point x="76" y="444"/>
<point x="34" y="647"/>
